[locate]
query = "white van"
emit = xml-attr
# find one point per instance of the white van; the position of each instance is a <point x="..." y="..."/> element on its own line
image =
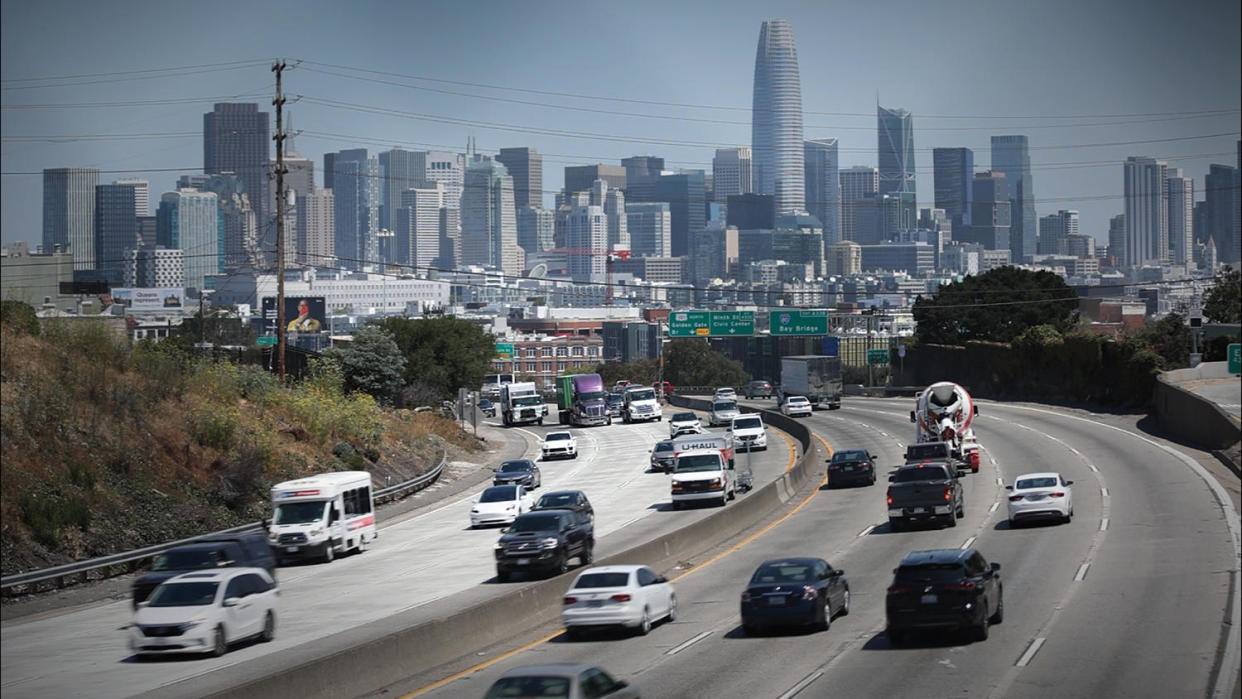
<point x="749" y="432"/>
<point x="321" y="516"/>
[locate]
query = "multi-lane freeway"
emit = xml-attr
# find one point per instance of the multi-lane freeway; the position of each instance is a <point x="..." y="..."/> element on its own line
<point x="1131" y="599"/>
<point x="414" y="563"/>
<point x="1137" y="596"/>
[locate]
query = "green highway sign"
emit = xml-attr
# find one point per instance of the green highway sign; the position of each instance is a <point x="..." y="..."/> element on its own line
<point x="266" y="341"/>
<point x="711" y="323"/>
<point x="504" y="350"/>
<point x="798" y="322"/>
<point x="1235" y="358"/>
<point x="877" y="356"/>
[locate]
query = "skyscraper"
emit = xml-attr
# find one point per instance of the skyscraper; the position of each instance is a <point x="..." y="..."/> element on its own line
<point x="776" y="118"/>
<point x="189" y="221"/>
<point x="1147" y="218"/>
<point x="1180" y="191"/>
<point x="587" y="238"/>
<point x="895" y="146"/>
<point x="316" y="228"/>
<point x="356" y="196"/>
<point x="525" y="166"/>
<point x="641" y="172"/>
<point x="116" y="230"/>
<point x="952" y="170"/>
<point x="236" y="139"/>
<point x="418" y="224"/>
<point x="687" y="203"/>
<point x="650" y="226"/>
<point x="534" y="229"/>
<point x="399" y="170"/>
<point x="857" y="183"/>
<point x="990" y="215"/>
<point x="239" y="242"/>
<point x="69" y="213"/>
<point x="142" y="195"/>
<point x="618" y="227"/>
<point x="731" y="173"/>
<point x="823" y="186"/>
<point x="1054" y="232"/>
<point x="1011" y="155"/>
<point x="1222" y="202"/>
<point x="1117" y="240"/>
<point x="579" y="178"/>
<point x="488" y="218"/>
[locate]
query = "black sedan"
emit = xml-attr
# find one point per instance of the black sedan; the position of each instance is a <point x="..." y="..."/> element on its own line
<point x="615" y="403"/>
<point x="518" y="472"/>
<point x="851" y="466"/>
<point x="575" y="500"/>
<point x="794" y="592"/>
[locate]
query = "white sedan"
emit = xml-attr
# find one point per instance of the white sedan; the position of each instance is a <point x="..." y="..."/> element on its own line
<point x="204" y="611"/>
<point x="796" y="405"/>
<point x="726" y="393"/>
<point x="558" y="444"/>
<point x="631" y="596"/>
<point x="1038" y="496"/>
<point x="499" y="504"/>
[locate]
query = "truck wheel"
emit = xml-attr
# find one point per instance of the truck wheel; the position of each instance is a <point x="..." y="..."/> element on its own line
<point x="953" y="518"/>
<point x="540" y="421"/>
<point x="895" y="525"/>
<point x="328" y="553"/>
<point x="502" y="576"/>
<point x="724" y="499"/>
<point x="676" y="505"/>
<point x="733" y="494"/>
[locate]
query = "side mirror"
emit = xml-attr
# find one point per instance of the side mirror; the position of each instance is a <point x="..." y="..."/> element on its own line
<point x="1069" y="482"/>
<point x="232" y="601"/>
<point x="912" y="416"/>
<point x="976" y="408"/>
<point x="995" y="567"/>
<point x="1009" y="487"/>
<point x="622" y="684"/>
<point x="890" y="478"/>
<point x="838" y="573"/>
<point x="872" y="456"/>
<point x="661" y="579"/>
<point x="144" y="603"/>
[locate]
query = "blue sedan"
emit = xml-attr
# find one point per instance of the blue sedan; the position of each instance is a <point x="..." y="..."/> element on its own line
<point x="794" y="592"/>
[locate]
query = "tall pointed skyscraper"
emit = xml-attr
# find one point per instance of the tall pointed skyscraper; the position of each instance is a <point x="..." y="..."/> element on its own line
<point x="896" y="150"/>
<point x="776" y="118"/>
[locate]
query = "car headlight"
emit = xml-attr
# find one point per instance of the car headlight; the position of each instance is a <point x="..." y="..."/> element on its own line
<point x="315" y="532"/>
<point x="549" y="543"/>
<point x="474" y="510"/>
<point x="509" y="507"/>
<point x="186" y="626"/>
<point x="272" y="536"/>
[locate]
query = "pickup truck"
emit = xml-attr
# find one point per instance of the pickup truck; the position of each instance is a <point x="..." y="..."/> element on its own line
<point x="941" y="452"/>
<point x="543" y="541"/>
<point x="925" y="491"/>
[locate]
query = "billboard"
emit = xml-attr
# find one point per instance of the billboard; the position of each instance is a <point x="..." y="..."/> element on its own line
<point x="149" y="300"/>
<point x="302" y="314"/>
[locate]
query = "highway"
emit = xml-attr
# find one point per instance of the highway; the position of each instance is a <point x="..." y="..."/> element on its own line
<point x="1132" y="598"/>
<point x="415" y="562"/>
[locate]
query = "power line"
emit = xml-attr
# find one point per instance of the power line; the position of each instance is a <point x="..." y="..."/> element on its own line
<point x="116" y="76"/>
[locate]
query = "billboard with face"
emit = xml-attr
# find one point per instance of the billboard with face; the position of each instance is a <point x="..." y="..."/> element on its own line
<point x="302" y="314"/>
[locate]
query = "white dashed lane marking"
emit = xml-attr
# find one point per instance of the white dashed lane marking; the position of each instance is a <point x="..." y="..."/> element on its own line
<point x="1031" y="650"/>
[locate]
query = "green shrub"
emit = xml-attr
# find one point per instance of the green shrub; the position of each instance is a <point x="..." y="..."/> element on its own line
<point x="214" y="426"/>
<point x="46" y="514"/>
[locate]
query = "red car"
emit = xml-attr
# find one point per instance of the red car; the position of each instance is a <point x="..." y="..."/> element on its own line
<point x="668" y="387"/>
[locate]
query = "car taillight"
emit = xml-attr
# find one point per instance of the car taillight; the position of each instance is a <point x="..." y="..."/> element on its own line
<point x="948" y="493"/>
<point x="1014" y="498"/>
<point x="569" y="600"/>
<point x="890" y="497"/>
<point x="898" y="590"/>
<point x="809" y="592"/>
<point x="1057" y="495"/>
<point x="964" y="585"/>
<point x="974" y="459"/>
<point x="620" y="597"/>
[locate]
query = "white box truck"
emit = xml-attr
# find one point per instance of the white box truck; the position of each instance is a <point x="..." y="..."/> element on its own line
<point x="521" y="404"/>
<point x="815" y="376"/>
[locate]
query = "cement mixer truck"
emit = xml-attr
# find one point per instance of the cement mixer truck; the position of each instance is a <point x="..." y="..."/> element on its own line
<point x="943" y="416"/>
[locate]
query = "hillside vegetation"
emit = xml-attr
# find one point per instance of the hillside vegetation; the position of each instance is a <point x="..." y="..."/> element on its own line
<point x="108" y="447"/>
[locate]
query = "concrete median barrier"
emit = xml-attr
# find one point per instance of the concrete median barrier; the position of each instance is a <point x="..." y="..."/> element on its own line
<point x="1189" y="416"/>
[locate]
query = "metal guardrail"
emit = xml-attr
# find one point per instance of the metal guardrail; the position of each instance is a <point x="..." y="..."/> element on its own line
<point x="128" y="561"/>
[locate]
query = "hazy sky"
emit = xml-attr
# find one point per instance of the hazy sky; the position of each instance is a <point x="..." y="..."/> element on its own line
<point x="1073" y="76"/>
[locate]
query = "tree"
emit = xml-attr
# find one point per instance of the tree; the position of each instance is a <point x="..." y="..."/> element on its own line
<point x="20" y="316"/>
<point x="996" y="305"/>
<point x="372" y="363"/>
<point x="641" y="371"/>
<point x="694" y="363"/>
<point x="443" y="354"/>
<point x="1223" y="302"/>
<point x="1169" y="337"/>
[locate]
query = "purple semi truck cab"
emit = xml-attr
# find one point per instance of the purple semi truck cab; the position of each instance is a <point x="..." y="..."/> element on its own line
<point x="587" y="405"/>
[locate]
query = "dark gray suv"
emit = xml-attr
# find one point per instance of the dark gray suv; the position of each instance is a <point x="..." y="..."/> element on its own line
<point x="944" y="589"/>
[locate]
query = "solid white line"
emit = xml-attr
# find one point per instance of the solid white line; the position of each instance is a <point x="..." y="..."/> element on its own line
<point x="1104" y="492"/>
<point x="1104" y="524"/>
<point x="689" y="643"/>
<point x="865" y="531"/>
<point x="1082" y="572"/>
<point x="1000" y="481"/>
<point x="993" y="507"/>
<point x="1031" y="650"/>
<point x="966" y="544"/>
<point x="1093" y="468"/>
<point x="802" y="685"/>
<point x="1075" y="451"/>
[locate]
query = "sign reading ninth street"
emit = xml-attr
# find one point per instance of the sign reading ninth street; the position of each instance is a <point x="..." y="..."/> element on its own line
<point x="711" y="323"/>
<point x="798" y="322"/>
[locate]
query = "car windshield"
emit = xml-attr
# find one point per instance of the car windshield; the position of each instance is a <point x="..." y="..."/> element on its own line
<point x="926" y="451"/>
<point x="722" y="405"/>
<point x="528" y="400"/>
<point x="499" y="493"/>
<point x="614" y="399"/>
<point x="748" y="423"/>
<point x="485" y="403"/>
<point x="663" y="446"/>
<point x="849" y="455"/>
<point x="910" y="475"/>
<point x="644" y="394"/>
<point x="797" y="400"/>
<point x="1024" y="483"/>
<point x="516" y="466"/>
<point x="536" y="523"/>
<point x="698" y="462"/>
<point x="930" y="573"/>
<point x="601" y="580"/>
<point x="556" y="500"/>
<point x="298" y="512"/>
<point x="184" y="594"/>
<point x="544" y="687"/>
<point x="684" y="417"/>
<point x="187" y="559"/>
<point x="557" y="437"/>
<point x="782" y="572"/>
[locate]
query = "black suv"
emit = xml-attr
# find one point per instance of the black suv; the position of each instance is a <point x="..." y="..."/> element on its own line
<point x="518" y="472"/>
<point x="543" y="541"/>
<point x="951" y="589"/>
<point x="249" y="550"/>
<point x="851" y="466"/>
<point x="575" y="500"/>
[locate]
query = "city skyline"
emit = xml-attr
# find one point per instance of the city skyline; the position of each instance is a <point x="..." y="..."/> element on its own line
<point x="1107" y="103"/>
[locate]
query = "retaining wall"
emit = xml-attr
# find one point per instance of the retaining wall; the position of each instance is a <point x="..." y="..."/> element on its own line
<point x="1192" y="417"/>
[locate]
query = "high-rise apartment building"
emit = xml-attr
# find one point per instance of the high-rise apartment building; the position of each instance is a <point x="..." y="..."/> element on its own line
<point x="116" y="230"/>
<point x="188" y="220"/>
<point x="952" y="172"/>
<point x="823" y="186"/>
<point x="142" y="194"/>
<point x="236" y="139"/>
<point x="418" y="225"/>
<point x="731" y="173"/>
<point x="1180" y="192"/>
<point x="1011" y="155"/>
<point x="488" y="218"/>
<point x="525" y="166"/>
<point x="1147" y="217"/>
<point x="650" y="227"/>
<point x="69" y="213"/>
<point x="316" y="228"/>
<point x="990" y="213"/>
<point x="356" y="199"/>
<point x="586" y="237"/>
<point x="776" y="118"/>
<point x="895" y="147"/>
<point x="857" y="183"/>
<point x="1054" y="232"/>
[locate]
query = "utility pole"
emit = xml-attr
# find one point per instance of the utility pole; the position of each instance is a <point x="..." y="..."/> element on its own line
<point x="279" y="102"/>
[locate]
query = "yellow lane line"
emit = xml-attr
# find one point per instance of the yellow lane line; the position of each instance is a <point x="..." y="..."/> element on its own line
<point x="504" y="656"/>
<point x="793" y="451"/>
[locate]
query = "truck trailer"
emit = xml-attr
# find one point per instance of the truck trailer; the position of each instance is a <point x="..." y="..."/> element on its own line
<point x="816" y="376"/>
